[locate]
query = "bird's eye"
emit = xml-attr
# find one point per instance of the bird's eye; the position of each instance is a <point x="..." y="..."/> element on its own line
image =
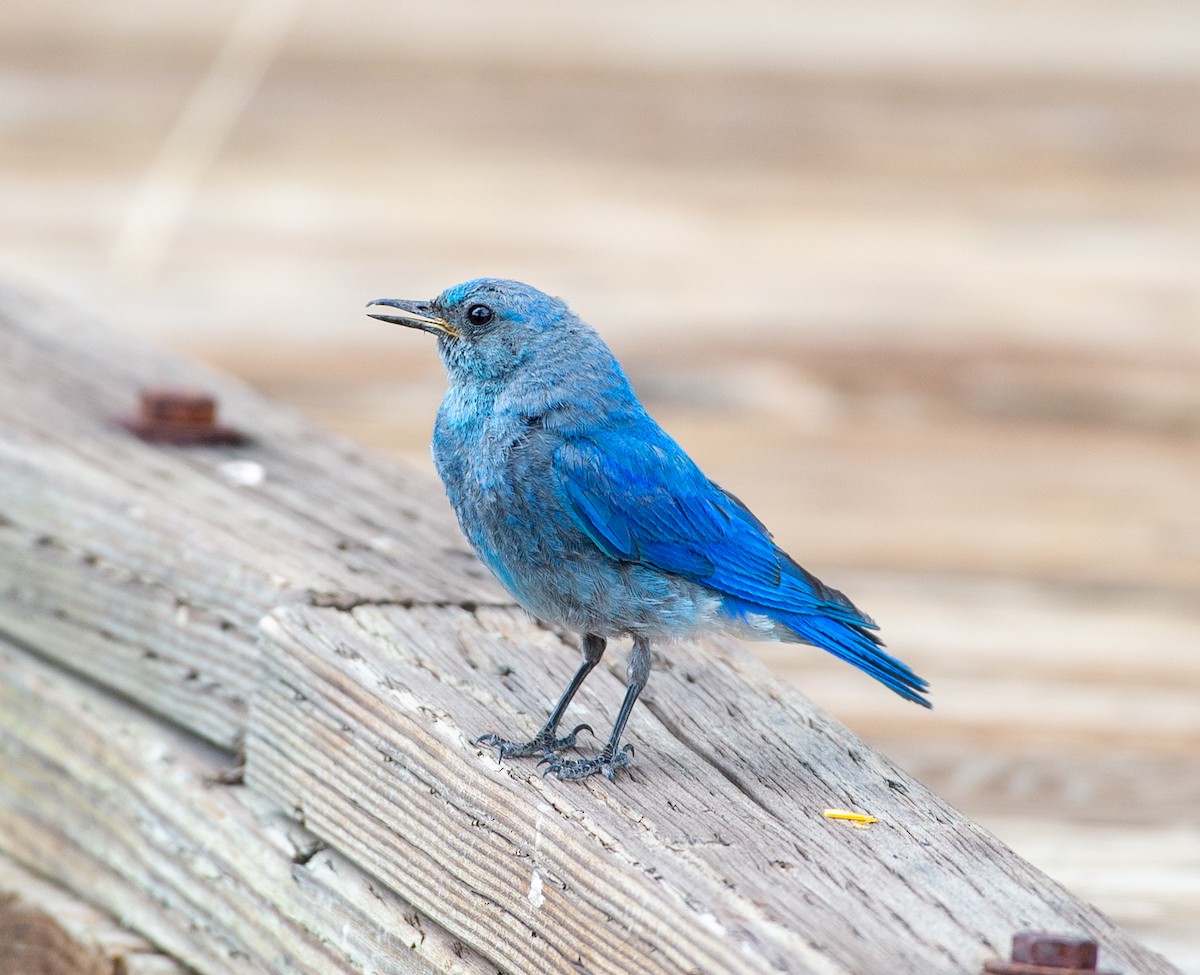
<point x="480" y="314"/>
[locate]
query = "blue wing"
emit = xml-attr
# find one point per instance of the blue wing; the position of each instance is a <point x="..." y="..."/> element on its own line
<point x="640" y="498"/>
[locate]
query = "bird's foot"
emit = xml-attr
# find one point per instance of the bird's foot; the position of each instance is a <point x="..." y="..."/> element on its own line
<point x="606" y="763"/>
<point x="543" y="743"/>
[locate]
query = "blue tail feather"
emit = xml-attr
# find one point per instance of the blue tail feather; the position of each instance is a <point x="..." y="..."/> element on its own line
<point x="847" y="641"/>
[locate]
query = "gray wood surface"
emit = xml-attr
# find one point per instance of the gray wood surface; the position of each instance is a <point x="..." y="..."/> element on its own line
<point x="125" y="810"/>
<point x="386" y="651"/>
<point x="713" y="855"/>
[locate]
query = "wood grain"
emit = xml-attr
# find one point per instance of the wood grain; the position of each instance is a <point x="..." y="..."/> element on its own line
<point x="713" y="855"/>
<point x="125" y="810"/>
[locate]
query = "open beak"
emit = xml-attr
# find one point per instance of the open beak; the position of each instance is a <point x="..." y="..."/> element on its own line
<point x="414" y="314"/>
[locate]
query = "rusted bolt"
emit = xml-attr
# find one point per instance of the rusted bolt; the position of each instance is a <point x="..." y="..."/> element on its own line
<point x="1040" y="953"/>
<point x="179" y="416"/>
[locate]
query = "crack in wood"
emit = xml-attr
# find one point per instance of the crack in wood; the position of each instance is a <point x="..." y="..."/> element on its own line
<point x="347" y="603"/>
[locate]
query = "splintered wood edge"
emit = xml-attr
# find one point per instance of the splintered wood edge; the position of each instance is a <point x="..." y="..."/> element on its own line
<point x="712" y="852"/>
<point x="121" y="809"/>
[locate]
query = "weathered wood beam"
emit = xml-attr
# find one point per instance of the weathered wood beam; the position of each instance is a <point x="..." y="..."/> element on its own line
<point x="126" y="811"/>
<point x="713" y="855"/>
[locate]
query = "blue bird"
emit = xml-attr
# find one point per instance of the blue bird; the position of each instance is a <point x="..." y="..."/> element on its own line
<point x="593" y="518"/>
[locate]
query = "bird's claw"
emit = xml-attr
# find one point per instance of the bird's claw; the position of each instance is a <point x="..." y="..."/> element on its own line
<point x="543" y="743"/>
<point x="606" y="763"/>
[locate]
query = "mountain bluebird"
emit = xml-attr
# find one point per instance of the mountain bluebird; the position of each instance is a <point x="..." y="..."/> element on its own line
<point x="593" y="518"/>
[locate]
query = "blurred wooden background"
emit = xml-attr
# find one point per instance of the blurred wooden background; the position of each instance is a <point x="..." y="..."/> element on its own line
<point x="918" y="281"/>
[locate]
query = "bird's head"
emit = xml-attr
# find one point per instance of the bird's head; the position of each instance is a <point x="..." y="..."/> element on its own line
<point x="485" y="328"/>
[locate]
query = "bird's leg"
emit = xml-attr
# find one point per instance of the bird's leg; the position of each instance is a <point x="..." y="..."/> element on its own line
<point x="591" y="647"/>
<point x="610" y="758"/>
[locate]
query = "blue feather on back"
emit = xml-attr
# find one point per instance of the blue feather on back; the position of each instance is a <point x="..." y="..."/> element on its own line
<point x="642" y="499"/>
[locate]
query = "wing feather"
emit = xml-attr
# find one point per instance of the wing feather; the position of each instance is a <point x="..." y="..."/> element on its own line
<point x="642" y="501"/>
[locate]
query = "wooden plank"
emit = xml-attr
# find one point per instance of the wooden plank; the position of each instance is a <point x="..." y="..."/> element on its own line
<point x="712" y="855"/>
<point x="122" y="809"/>
<point x="147" y="567"/>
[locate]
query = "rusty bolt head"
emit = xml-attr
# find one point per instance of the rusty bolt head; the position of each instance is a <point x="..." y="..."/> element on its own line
<point x="180" y="406"/>
<point x="179" y="416"/>
<point x="1040" y="953"/>
<point x="1054" y="950"/>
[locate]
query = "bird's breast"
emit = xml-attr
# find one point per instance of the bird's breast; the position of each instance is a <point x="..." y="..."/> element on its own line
<point x="498" y="467"/>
